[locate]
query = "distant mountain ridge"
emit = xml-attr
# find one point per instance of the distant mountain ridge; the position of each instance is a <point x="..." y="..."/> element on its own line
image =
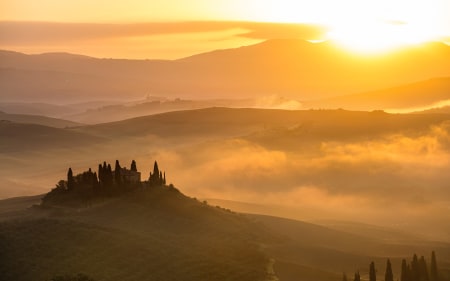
<point x="291" y="68"/>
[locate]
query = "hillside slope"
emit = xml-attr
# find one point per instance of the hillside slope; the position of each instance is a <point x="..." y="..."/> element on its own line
<point x="156" y="234"/>
<point x="265" y="124"/>
<point x="38" y="120"/>
<point x="20" y="137"/>
<point x="160" y="234"/>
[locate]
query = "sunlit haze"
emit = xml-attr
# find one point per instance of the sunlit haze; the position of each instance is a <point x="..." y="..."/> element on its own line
<point x="271" y="140"/>
<point x="362" y="26"/>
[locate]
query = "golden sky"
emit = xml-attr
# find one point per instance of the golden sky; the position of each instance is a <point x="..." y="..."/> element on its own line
<point x="361" y="25"/>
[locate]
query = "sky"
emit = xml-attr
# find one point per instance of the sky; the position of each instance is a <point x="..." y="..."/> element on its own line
<point x="361" y="25"/>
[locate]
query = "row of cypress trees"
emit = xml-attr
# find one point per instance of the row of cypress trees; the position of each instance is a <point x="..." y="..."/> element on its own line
<point x="89" y="185"/>
<point x="106" y="177"/>
<point x="416" y="270"/>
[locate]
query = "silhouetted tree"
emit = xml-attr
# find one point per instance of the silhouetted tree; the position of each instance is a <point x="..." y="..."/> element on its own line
<point x="388" y="276"/>
<point x="70" y="180"/>
<point x="133" y="166"/>
<point x="108" y="175"/>
<point x="164" y="180"/>
<point x="372" y="272"/>
<point x="357" y="276"/>
<point x="433" y="268"/>
<point x="117" y="173"/>
<point x="405" y="274"/>
<point x="100" y="174"/>
<point x="415" y="269"/>
<point x="156" y="176"/>
<point x="423" y="270"/>
<point x="155" y="169"/>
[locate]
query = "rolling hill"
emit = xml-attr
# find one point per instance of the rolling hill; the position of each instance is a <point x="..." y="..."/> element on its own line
<point x="139" y="235"/>
<point x="301" y="69"/>
<point x="199" y="130"/>
<point x="38" y="120"/>
<point x="21" y="137"/>
<point x="247" y="154"/>
<point x="267" y="124"/>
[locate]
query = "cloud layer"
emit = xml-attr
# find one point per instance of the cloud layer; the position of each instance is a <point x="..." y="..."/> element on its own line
<point x="90" y="38"/>
<point x="396" y="179"/>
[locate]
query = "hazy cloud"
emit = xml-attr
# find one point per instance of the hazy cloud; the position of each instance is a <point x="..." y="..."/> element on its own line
<point x="164" y="40"/>
<point x="42" y="32"/>
<point x="395" y="170"/>
<point x="395" y="178"/>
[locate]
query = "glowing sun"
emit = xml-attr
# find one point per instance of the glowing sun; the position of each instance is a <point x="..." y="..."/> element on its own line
<point x="377" y="36"/>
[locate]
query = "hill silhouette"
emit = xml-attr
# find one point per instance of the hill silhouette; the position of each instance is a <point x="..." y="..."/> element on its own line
<point x="139" y="235"/>
<point x="123" y="228"/>
<point x="20" y="137"/>
<point x="38" y="120"/>
<point x="301" y="67"/>
<point x="325" y="154"/>
<point x="263" y="125"/>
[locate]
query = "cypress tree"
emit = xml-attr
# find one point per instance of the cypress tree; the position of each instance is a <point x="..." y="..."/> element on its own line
<point x="133" y="166"/>
<point x="357" y="276"/>
<point x="433" y="268"/>
<point x="415" y="270"/>
<point x="155" y="177"/>
<point x="70" y="180"/>
<point x="117" y="174"/>
<point x="164" y="180"/>
<point x="405" y="272"/>
<point x="388" y="276"/>
<point x="372" y="272"/>
<point x="156" y="171"/>
<point x="100" y="174"/>
<point x="423" y="270"/>
<point x="108" y="175"/>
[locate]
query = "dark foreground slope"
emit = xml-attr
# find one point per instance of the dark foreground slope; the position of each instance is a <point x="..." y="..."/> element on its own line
<point x="156" y="234"/>
<point x="160" y="234"/>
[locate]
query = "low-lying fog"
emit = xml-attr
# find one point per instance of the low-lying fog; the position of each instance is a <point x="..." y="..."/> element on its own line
<point x="398" y="180"/>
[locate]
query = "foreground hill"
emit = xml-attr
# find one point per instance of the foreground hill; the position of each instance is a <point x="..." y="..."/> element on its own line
<point x="293" y="68"/>
<point x="157" y="234"/>
<point x="160" y="234"/>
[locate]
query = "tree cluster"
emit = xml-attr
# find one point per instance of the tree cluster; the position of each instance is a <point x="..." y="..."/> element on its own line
<point x="107" y="182"/>
<point x="157" y="177"/>
<point x="416" y="270"/>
